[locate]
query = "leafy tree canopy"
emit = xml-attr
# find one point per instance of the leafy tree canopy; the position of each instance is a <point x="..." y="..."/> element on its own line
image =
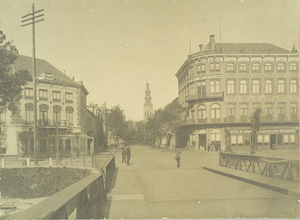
<point x="116" y="121"/>
<point x="10" y="82"/>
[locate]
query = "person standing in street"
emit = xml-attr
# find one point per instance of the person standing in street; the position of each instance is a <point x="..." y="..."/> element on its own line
<point x="178" y="154"/>
<point x="128" y="155"/>
<point x="123" y="155"/>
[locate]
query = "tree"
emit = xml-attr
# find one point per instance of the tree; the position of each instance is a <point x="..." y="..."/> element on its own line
<point x="116" y="122"/>
<point x="255" y="126"/>
<point x="11" y="83"/>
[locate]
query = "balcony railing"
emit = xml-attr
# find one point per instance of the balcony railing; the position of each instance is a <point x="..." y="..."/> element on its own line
<point x="53" y="123"/>
<point x="208" y="97"/>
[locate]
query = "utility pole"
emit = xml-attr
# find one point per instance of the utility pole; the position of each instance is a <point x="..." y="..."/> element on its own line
<point x="32" y="20"/>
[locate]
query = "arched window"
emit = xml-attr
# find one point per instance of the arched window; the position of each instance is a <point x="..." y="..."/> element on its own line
<point x="43" y="115"/>
<point x="269" y="111"/>
<point x="56" y="113"/>
<point x="280" y="67"/>
<point x="231" y="112"/>
<point x="202" y="112"/>
<point x="29" y="112"/>
<point x="281" y="88"/>
<point x="215" y="113"/>
<point x="268" y="67"/>
<point x="215" y="137"/>
<point x="230" y="67"/>
<point x="69" y="114"/>
<point x="243" y="86"/>
<point x="230" y="86"/>
<point x="255" y="67"/>
<point x="293" y="67"/>
<point x="255" y="85"/>
<point x="293" y="86"/>
<point x="281" y="111"/>
<point x="243" y="67"/>
<point x="268" y="86"/>
<point x="294" y="111"/>
<point x="244" y="113"/>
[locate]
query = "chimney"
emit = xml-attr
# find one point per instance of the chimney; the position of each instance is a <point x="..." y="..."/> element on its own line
<point x="294" y="49"/>
<point x="73" y="78"/>
<point x="200" y="47"/>
<point x="212" y="43"/>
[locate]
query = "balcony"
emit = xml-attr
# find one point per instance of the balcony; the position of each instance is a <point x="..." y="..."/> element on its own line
<point x="53" y="123"/>
<point x="208" y="97"/>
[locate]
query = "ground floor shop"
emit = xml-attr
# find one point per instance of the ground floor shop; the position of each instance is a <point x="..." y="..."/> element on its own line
<point x="239" y="138"/>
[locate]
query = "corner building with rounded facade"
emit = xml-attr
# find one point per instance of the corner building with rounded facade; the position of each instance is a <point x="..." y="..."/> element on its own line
<point x="223" y="84"/>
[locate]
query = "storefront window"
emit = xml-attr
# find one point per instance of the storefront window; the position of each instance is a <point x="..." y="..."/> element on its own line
<point x="292" y="139"/>
<point x="240" y="140"/>
<point x="286" y="139"/>
<point x="260" y="139"/>
<point x="233" y="140"/>
<point x="266" y="139"/>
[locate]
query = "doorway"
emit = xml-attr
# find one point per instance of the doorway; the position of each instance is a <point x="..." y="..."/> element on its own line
<point x="202" y="141"/>
<point x="272" y="141"/>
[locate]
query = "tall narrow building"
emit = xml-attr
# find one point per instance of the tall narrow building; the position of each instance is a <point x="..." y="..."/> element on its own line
<point x="148" y="107"/>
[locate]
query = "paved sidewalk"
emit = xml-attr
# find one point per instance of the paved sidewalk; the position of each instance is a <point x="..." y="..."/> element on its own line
<point x="277" y="185"/>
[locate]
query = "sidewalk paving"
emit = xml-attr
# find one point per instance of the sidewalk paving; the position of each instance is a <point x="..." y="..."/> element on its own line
<point x="277" y="185"/>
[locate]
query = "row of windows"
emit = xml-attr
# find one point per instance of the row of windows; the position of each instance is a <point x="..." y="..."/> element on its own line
<point x="215" y="110"/>
<point x="214" y="87"/>
<point x="256" y="67"/>
<point x="256" y="86"/>
<point x="44" y="115"/>
<point x="282" y="139"/>
<point x="44" y="94"/>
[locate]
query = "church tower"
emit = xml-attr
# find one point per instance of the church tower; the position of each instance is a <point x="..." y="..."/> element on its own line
<point x="148" y="107"/>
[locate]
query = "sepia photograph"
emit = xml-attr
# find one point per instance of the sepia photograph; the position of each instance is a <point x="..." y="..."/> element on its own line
<point x="149" y="109"/>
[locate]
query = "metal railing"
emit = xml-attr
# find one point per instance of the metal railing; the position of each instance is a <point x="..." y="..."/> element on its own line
<point x="82" y="200"/>
<point x="267" y="166"/>
<point x="53" y="123"/>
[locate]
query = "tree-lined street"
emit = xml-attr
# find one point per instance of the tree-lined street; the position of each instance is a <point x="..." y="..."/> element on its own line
<point x="153" y="187"/>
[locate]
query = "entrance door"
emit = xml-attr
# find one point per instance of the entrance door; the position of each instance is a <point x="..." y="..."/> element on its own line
<point x="202" y="140"/>
<point x="272" y="141"/>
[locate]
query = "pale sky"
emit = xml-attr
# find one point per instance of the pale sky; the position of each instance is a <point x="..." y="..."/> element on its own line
<point x="115" y="46"/>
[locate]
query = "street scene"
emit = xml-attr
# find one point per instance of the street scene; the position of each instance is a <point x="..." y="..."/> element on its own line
<point x="124" y="109"/>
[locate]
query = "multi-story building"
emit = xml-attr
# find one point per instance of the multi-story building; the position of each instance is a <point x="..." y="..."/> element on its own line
<point x="61" y="113"/>
<point x="148" y="107"/>
<point x="223" y="84"/>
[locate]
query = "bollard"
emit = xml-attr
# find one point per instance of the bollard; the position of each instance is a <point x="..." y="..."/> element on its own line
<point x="28" y="162"/>
<point x="2" y="163"/>
<point x="50" y="162"/>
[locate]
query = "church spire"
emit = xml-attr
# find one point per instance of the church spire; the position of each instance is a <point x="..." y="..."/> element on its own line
<point x="148" y="107"/>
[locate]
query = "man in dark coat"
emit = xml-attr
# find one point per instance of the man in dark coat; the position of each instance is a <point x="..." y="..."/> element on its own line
<point x="128" y="155"/>
<point x="123" y="155"/>
<point x="178" y="154"/>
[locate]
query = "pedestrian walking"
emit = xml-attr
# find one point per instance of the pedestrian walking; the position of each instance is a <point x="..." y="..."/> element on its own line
<point x="123" y="155"/>
<point x="208" y="146"/>
<point x="128" y="155"/>
<point x="178" y="154"/>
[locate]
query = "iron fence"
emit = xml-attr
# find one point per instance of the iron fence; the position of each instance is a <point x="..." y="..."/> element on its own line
<point x="268" y="166"/>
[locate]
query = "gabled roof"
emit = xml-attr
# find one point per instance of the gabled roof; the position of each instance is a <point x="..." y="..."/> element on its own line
<point x="249" y="48"/>
<point x="42" y="66"/>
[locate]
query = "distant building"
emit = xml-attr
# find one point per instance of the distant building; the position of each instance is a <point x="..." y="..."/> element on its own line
<point x="148" y="107"/>
<point x="61" y="106"/>
<point x="223" y="84"/>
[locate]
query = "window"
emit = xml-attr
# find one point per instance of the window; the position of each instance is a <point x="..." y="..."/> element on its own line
<point x="268" y="67"/>
<point x="203" y="68"/>
<point x="260" y="139"/>
<point x="69" y="96"/>
<point x="69" y="117"/>
<point x="56" y="95"/>
<point x="255" y="67"/>
<point x="293" y="67"/>
<point x="215" y="111"/>
<point x="217" y="67"/>
<point x="202" y="112"/>
<point x="230" y="67"/>
<point x="211" y="67"/>
<point x="243" y="67"/>
<point x="269" y="108"/>
<point x="233" y="140"/>
<point x="292" y="139"/>
<point x="230" y="86"/>
<point x="43" y="93"/>
<point x="280" y="67"/>
<point x="215" y="137"/>
<point x="56" y="116"/>
<point x="255" y="86"/>
<point x="294" y="108"/>
<point x="28" y="92"/>
<point x="243" y="86"/>
<point x="240" y="140"/>
<point x="244" y="109"/>
<point x="293" y="86"/>
<point x="198" y="68"/>
<point x="256" y="106"/>
<point x="214" y="86"/>
<point x="266" y="139"/>
<point x="281" y="107"/>
<point x="268" y="86"/>
<point x="49" y="76"/>
<point x="281" y="86"/>
<point x="286" y="139"/>
<point x="29" y="115"/>
<point x="231" y="109"/>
